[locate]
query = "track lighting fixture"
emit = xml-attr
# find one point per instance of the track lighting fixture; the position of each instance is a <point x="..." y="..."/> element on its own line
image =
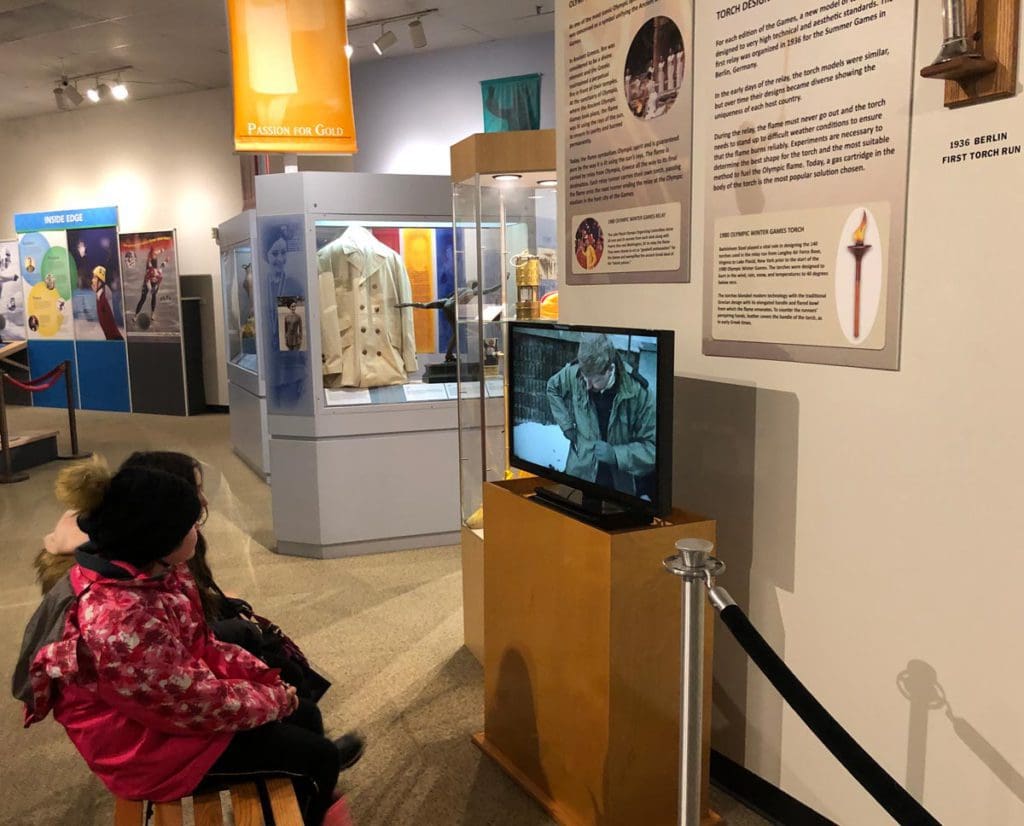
<point x="65" y="95"/>
<point x="72" y="94"/>
<point x="417" y="34"/>
<point x="58" y="96"/>
<point x="386" y="40"/>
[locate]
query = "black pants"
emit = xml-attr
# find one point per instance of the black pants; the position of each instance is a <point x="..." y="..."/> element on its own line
<point x="295" y="748"/>
<point x="152" y="302"/>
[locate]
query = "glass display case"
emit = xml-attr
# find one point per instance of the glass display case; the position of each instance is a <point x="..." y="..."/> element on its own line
<point x="385" y="316"/>
<point x="363" y="441"/>
<point x="241" y="264"/>
<point x="239" y="304"/>
<point x="505" y="269"/>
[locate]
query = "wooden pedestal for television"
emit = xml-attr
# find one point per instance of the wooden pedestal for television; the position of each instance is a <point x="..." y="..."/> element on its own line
<point x="581" y="664"/>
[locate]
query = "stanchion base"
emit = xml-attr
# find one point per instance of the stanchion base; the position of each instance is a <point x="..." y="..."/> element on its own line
<point x="74" y="456"/>
<point x="13" y="478"/>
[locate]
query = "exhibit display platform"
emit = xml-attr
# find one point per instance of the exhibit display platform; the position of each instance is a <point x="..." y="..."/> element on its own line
<point x="32" y="448"/>
<point x="363" y="455"/>
<point x="582" y="661"/>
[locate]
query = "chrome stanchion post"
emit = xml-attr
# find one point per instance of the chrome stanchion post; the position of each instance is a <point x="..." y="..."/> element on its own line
<point x="696" y="567"/>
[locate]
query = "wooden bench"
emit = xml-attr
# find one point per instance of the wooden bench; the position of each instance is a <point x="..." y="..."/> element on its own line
<point x="207" y="811"/>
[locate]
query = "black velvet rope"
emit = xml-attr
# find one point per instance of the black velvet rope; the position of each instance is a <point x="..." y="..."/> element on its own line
<point x="904" y="809"/>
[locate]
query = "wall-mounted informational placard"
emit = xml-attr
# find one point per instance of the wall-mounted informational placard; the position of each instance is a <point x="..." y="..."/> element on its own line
<point x="290" y="77"/>
<point x="627" y="140"/>
<point x="806" y="180"/>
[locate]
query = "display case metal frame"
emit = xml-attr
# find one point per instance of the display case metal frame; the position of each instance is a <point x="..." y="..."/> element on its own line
<point x="247" y="391"/>
<point x="491" y="235"/>
<point x="355" y="479"/>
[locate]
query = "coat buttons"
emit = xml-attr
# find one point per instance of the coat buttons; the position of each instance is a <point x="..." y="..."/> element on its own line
<point x="364" y="352"/>
<point x="378" y="352"/>
<point x="362" y="329"/>
<point x="362" y="306"/>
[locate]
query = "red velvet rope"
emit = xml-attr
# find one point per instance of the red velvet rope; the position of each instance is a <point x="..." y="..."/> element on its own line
<point x="38" y="384"/>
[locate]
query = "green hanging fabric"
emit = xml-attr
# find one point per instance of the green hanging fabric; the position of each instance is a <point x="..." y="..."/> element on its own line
<point x="511" y="103"/>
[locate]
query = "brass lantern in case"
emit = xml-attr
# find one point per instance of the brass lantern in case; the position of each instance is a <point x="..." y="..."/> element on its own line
<point x="527" y="286"/>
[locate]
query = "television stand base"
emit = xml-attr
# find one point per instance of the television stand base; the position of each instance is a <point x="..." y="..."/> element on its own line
<point x="601" y="513"/>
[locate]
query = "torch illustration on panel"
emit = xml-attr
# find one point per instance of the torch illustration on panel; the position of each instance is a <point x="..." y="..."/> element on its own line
<point x="858" y="249"/>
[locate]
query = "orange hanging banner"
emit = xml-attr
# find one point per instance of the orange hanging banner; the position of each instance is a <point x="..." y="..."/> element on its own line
<point x="291" y="77"/>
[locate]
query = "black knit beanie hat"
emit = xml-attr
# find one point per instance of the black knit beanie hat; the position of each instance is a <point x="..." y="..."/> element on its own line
<point x="144" y="516"/>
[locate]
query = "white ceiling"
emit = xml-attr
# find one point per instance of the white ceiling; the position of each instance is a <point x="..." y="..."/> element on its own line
<point x="177" y="46"/>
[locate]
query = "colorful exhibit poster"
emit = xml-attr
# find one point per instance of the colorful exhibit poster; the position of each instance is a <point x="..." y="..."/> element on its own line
<point x="806" y="180"/>
<point x="12" y="296"/>
<point x="98" y="299"/>
<point x="46" y="274"/>
<point x="626" y="136"/>
<point x="418" y="256"/>
<point x="149" y="273"/>
<point x="286" y="323"/>
<point x="290" y="73"/>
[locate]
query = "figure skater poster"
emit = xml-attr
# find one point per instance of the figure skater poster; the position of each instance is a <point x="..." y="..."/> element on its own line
<point x="149" y="273"/>
<point x="98" y="295"/>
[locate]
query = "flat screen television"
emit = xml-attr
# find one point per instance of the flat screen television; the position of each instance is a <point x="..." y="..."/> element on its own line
<point x="591" y="409"/>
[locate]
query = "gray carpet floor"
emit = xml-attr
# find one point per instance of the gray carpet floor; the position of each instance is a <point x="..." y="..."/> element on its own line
<point x="386" y="629"/>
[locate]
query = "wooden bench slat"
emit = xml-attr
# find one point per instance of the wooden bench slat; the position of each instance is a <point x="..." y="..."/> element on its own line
<point x="283" y="802"/>
<point x="207" y="810"/>
<point x="245" y="800"/>
<point x="128" y="812"/>
<point x="168" y="814"/>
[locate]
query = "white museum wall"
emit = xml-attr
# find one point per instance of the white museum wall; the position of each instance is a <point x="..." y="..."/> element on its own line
<point x="165" y="163"/>
<point x="870" y="516"/>
<point x="411" y="109"/>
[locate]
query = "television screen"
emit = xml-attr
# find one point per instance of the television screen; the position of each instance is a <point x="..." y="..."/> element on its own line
<point x="591" y="408"/>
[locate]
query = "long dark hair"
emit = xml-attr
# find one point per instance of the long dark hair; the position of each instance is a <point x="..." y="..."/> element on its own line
<point x="188" y="468"/>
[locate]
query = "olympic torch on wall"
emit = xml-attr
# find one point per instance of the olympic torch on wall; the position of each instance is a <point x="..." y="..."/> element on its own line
<point x="858" y="249"/>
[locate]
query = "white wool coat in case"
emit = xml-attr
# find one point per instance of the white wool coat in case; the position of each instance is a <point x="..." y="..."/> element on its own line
<point x="368" y="341"/>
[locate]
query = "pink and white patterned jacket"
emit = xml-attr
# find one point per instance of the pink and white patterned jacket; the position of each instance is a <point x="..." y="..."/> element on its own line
<point x="147" y="695"/>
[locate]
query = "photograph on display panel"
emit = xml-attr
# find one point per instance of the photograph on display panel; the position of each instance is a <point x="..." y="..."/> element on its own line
<point x="283" y="261"/>
<point x="98" y="295"/>
<point x="150" y="281"/>
<point x="12" y="296"/>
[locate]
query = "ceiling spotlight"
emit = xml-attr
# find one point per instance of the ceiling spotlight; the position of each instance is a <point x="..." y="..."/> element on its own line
<point x="548" y="182"/>
<point x="417" y="34"/>
<point x="386" y="40"/>
<point x="507" y="176"/>
<point x="349" y="49"/>
<point x="119" y="91"/>
<point x="103" y="91"/>
<point x="72" y="95"/>
<point x="93" y="95"/>
<point x="62" y="102"/>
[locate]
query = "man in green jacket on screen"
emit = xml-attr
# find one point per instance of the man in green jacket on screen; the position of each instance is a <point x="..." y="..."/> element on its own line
<point x="607" y="413"/>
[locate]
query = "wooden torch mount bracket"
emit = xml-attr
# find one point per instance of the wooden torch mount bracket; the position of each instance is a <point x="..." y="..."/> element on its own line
<point x="992" y="73"/>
